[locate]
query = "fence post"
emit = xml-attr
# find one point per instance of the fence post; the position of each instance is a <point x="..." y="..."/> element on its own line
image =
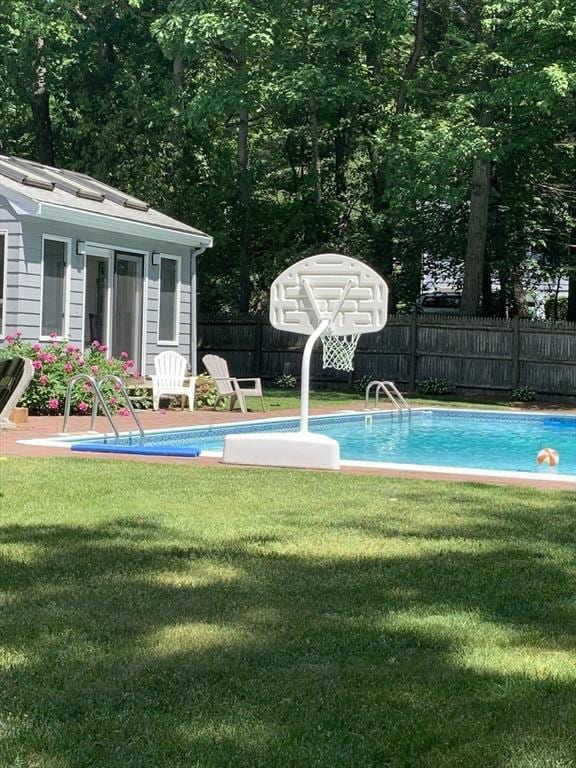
<point x="413" y="361"/>
<point x="515" y="352"/>
<point x="258" y="345"/>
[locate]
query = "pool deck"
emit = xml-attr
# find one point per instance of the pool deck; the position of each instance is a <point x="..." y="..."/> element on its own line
<point x="38" y="427"/>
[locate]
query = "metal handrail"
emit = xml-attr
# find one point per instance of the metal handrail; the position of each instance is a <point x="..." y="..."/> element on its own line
<point x="118" y="381"/>
<point x="392" y="393"/>
<point x="99" y="398"/>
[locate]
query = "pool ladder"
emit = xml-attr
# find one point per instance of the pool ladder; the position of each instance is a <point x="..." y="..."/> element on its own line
<point x="99" y="398"/>
<point x="392" y="393"/>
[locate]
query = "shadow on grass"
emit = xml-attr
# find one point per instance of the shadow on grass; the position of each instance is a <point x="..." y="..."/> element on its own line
<point x="123" y="650"/>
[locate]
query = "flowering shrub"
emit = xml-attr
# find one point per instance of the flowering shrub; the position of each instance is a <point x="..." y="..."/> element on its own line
<point x="56" y="362"/>
<point x="205" y="393"/>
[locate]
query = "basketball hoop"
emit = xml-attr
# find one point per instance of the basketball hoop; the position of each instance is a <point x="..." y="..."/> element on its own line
<point x="338" y="351"/>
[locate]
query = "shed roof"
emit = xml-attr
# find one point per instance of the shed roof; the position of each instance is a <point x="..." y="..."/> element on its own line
<point x="55" y="188"/>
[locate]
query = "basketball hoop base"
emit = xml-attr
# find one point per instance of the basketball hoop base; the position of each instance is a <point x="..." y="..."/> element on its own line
<point x="302" y="450"/>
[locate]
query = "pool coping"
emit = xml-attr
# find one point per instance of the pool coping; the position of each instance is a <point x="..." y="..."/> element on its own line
<point x="555" y="480"/>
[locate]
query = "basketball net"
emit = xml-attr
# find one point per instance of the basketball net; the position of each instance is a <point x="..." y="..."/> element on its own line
<point x="339" y="351"/>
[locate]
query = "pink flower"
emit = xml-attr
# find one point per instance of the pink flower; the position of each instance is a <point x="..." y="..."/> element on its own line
<point x="37" y="347"/>
<point x="71" y="348"/>
<point x="103" y="348"/>
<point x="49" y="358"/>
<point x="95" y="344"/>
<point x="113" y="401"/>
<point x="53" y="335"/>
<point x="80" y="361"/>
<point x="10" y="338"/>
<point x="68" y="367"/>
<point x="110" y="361"/>
<point x="37" y="364"/>
<point x="94" y="368"/>
<point x="53" y="403"/>
<point x="123" y="354"/>
<point x="82" y="406"/>
<point x="43" y="380"/>
<point x="123" y="412"/>
<point x="87" y="386"/>
<point x="18" y="334"/>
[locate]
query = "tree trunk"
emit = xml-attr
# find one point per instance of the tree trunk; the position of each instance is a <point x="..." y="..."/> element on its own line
<point x="244" y="200"/>
<point x="381" y="187"/>
<point x="178" y="71"/>
<point x="412" y="62"/>
<point x="313" y="118"/>
<point x="40" y="104"/>
<point x="477" y="235"/>
<point x="340" y="161"/>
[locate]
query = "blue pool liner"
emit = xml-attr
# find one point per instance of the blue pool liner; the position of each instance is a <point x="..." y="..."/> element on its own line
<point x="186" y="451"/>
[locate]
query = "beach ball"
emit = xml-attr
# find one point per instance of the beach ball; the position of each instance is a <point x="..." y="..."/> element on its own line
<point x="548" y="456"/>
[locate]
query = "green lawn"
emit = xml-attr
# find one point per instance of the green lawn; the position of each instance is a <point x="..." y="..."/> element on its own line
<point x="277" y="398"/>
<point x="173" y="616"/>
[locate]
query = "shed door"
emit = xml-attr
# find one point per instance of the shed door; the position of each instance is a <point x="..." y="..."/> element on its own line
<point x="127" y="306"/>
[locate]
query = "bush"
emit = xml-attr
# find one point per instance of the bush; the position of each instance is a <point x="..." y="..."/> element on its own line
<point x="56" y="362"/>
<point x="523" y="395"/>
<point x="286" y="381"/>
<point x="361" y="383"/>
<point x="434" y="386"/>
<point x="205" y="393"/>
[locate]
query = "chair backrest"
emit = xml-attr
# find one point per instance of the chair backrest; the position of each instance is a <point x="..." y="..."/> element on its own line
<point x="217" y="369"/>
<point x="170" y="368"/>
<point x="15" y="375"/>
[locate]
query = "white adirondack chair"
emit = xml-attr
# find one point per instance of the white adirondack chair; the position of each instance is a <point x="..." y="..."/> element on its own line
<point x="230" y="386"/>
<point x="170" y="378"/>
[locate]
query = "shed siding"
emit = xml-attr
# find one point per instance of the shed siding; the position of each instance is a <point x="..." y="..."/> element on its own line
<point x="24" y="279"/>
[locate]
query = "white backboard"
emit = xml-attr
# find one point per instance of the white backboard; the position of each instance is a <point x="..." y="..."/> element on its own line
<point x="329" y="286"/>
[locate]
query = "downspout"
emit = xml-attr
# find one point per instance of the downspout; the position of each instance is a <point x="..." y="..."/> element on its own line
<point x="193" y="306"/>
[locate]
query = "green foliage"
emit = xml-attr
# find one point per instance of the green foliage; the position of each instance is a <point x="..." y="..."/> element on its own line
<point x="56" y="363"/>
<point x="523" y="395"/>
<point x="435" y="386"/>
<point x="556" y="309"/>
<point x="286" y="381"/>
<point x="205" y="393"/>
<point x="331" y="164"/>
<point x="361" y="383"/>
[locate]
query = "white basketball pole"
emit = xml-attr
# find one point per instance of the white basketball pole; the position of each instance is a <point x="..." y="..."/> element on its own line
<point x="312" y="339"/>
<point x="305" y="376"/>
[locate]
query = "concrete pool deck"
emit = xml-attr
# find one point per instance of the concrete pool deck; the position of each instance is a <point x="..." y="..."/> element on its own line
<point x="42" y="427"/>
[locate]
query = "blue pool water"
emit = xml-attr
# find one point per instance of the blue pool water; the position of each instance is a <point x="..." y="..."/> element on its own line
<point x="447" y="438"/>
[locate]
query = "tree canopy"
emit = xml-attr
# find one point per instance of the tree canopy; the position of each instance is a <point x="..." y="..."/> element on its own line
<point x="425" y="137"/>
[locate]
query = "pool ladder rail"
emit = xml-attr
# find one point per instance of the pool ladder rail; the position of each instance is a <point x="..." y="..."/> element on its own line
<point x="392" y="393"/>
<point x="99" y="398"/>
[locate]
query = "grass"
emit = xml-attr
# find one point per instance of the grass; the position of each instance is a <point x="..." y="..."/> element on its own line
<point x="278" y="398"/>
<point x="173" y="616"/>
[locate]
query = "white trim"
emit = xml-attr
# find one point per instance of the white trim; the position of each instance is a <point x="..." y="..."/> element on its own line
<point x="144" y="321"/>
<point x="22" y="204"/>
<point x="126" y="226"/>
<point x="4" y="281"/>
<point x="66" y="297"/>
<point x="175" y="340"/>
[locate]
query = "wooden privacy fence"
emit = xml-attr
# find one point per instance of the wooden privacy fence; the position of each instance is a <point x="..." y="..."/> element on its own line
<point x="472" y="353"/>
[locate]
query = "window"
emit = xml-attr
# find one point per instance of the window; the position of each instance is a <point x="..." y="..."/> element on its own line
<point x="53" y="287"/>
<point x="2" y="286"/>
<point x="168" y="313"/>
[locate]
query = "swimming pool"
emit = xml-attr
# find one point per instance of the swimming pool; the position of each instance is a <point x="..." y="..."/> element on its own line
<point x="456" y="439"/>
